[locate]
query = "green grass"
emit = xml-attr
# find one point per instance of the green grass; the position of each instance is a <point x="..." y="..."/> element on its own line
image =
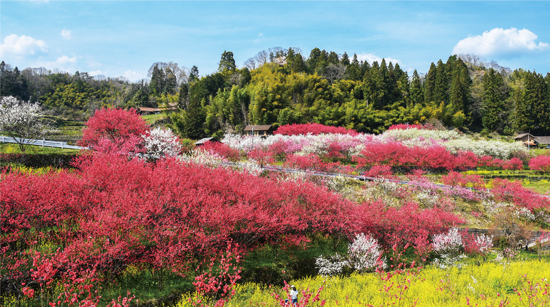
<point x="541" y="186"/>
<point x="34" y="150"/>
<point x="152" y="118"/>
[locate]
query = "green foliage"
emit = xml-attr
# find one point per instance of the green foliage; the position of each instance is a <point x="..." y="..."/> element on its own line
<point x="287" y="87"/>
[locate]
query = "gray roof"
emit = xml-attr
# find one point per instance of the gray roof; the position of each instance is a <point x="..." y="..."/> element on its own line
<point x="519" y="136"/>
<point x="202" y="141"/>
<point x="544" y="140"/>
<point x="257" y="127"/>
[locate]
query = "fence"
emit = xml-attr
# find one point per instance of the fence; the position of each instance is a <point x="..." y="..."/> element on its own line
<point x="42" y="143"/>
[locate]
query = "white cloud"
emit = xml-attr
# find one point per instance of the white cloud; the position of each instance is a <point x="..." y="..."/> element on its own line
<point x="510" y="42"/>
<point x="260" y="38"/>
<point x="65" y="60"/>
<point x="62" y="63"/>
<point x="371" y="57"/>
<point x="66" y="34"/>
<point x="132" y="75"/>
<point x="95" y="72"/>
<point x="21" y="46"/>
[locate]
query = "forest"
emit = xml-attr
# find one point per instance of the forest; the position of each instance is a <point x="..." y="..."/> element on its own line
<point x="281" y="86"/>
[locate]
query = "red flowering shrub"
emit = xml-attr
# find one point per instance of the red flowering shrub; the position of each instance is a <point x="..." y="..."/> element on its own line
<point x="263" y="157"/>
<point x="313" y="128"/>
<point x="383" y="171"/>
<point x="221" y="149"/>
<point x="540" y="163"/>
<point x="405" y="126"/>
<point x="397" y="154"/>
<point x="112" y="212"/>
<point x="514" y="192"/>
<point x="401" y="226"/>
<point x="459" y="179"/>
<point x="279" y="150"/>
<point x="116" y="125"/>
<point x="513" y="164"/>
<point x="312" y="162"/>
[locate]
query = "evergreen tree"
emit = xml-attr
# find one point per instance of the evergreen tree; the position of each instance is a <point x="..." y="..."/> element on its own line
<point x="459" y="95"/>
<point x="333" y="58"/>
<point x="313" y="60"/>
<point x="535" y="95"/>
<point x="441" y="84"/>
<point x="345" y="59"/>
<point x="171" y="82"/>
<point x="156" y="85"/>
<point x="183" y="101"/>
<point x="194" y="74"/>
<point x="429" y="85"/>
<point x="494" y="97"/>
<point x="416" y="89"/>
<point x="295" y="61"/>
<point x="523" y="117"/>
<point x="245" y="77"/>
<point x="227" y="62"/>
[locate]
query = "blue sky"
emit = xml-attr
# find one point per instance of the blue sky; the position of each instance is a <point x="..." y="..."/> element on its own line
<point x="123" y="38"/>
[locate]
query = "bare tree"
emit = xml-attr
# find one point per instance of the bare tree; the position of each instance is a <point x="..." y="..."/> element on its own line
<point x="179" y="71"/>
<point x="250" y="64"/>
<point x="334" y="72"/>
<point x="262" y="57"/>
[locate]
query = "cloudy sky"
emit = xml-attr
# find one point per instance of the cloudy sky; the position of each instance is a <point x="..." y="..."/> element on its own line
<point x="123" y="38"/>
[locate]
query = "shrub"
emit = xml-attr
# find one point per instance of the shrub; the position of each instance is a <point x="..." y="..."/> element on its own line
<point x="405" y="127"/>
<point x="115" y="125"/>
<point x="221" y="149"/>
<point x="540" y="163"/>
<point x="313" y="128"/>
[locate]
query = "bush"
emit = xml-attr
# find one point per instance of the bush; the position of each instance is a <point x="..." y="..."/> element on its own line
<point x="314" y="129"/>
<point x="115" y="125"/>
<point x="540" y="163"/>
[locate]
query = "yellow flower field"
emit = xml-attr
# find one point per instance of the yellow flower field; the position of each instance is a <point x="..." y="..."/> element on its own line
<point x="521" y="283"/>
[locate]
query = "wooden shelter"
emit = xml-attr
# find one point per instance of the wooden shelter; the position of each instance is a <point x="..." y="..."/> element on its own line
<point x="148" y="111"/>
<point x="260" y="130"/>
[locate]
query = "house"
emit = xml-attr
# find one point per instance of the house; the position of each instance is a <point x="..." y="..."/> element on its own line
<point x="148" y="111"/>
<point x="543" y="141"/>
<point x="532" y="140"/>
<point x="260" y="130"/>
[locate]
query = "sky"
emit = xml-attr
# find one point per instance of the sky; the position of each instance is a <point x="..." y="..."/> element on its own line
<point x="124" y="38"/>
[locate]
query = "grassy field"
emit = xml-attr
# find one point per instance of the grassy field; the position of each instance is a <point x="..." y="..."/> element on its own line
<point x="6" y="148"/>
<point x="151" y="119"/>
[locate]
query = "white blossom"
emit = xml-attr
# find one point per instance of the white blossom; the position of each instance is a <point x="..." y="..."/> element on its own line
<point x="331" y="266"/>
<point x="161" y="143"/>
<point x="22" y="120"/>
<point x="364" y="253"/>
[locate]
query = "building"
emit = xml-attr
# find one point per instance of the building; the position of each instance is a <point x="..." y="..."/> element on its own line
<point x="148" y="111"/>
<point x="260" y="130"/>
<point x="532" y="140"/>
<point x="543" y="141"/>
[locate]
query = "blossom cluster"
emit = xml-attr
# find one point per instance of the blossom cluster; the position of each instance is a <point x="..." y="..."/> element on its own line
<point x="364" y="254"/>
<point x="313" y="129"/>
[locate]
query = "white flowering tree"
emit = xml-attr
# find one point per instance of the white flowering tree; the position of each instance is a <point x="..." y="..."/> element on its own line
<point x="364" y="254"/>
<point x="22" y="121"/>
<point x="161" y="143"/>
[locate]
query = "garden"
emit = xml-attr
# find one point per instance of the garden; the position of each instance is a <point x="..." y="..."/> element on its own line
<point x="412" y="216"/>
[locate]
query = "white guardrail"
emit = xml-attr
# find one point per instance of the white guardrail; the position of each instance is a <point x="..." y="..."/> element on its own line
<point x="42" y="143"/>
